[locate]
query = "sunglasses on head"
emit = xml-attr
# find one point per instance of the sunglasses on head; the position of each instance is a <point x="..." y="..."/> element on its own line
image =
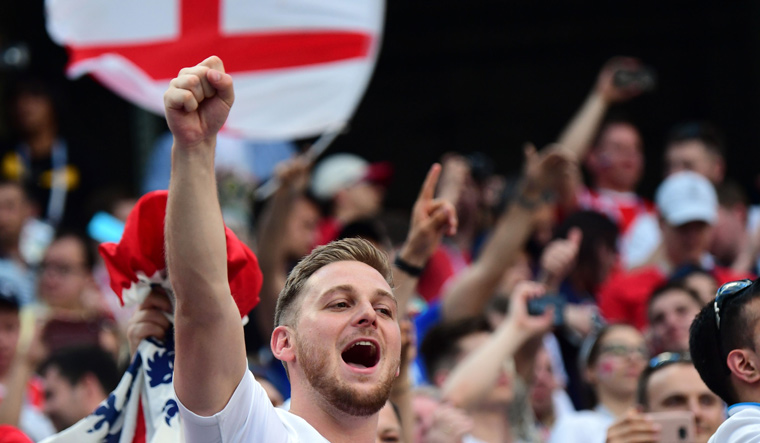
<point x="726" y="292"/>
<point x="667" y="358"/>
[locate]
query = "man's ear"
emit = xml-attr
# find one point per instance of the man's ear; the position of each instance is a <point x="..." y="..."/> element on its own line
<point x="282" y="344"/>
<point x="90" y="385"/>
<point x="744" y="365"/>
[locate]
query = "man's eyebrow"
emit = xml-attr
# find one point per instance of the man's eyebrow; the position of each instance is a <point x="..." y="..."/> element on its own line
<point x="339" y="288"/>
<point x="384" y="293"/>
<point x="352" y="290"/>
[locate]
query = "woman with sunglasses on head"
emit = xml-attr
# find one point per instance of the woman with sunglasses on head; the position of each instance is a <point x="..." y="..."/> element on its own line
<point x="611" y="362"/>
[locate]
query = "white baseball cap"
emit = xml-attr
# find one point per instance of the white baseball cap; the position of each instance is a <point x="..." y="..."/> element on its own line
<point x="340" y="171"/>
<point x="686" y="197"/>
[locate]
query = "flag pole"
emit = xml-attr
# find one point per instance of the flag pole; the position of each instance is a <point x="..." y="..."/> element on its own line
<point x="315" y="150"/>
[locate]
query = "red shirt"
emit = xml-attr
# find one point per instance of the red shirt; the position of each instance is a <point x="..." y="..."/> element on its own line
<point x="624" y="297"/>
<point x="621" y="207"/>
<point x="445" y="263"/>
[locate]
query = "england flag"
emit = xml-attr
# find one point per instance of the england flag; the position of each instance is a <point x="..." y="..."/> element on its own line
<point x="300" y="66"/>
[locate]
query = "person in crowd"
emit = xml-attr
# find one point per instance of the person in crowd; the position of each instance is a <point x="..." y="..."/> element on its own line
<point x="21" y="393"/>
<point x="670" y="383"/>
<point x="672" y="308"/>
<point x="612" y="361"/>
<point x="612" y="151"/>
<point x="42" y="158"/>
<point x="287" y="231"/>
<point x="351" y="188"/>
<point x="66" y="286"/>
<point x="75" y="381"/>
<point x="463" y="183"/>
<point x="698" y="147"/>
<point x="389" y="425"/>
<point x="496" y="400"/>
<point x="723" y="346"/>
<point x="574" y="274"/>
<point x="336" y="326"/>
<point x="688" y="208"/>
<point x="17" y="251"/>
<point x="732" y="245"/>
<point x="547" y="396"/>
<point x="469" y="292"/>
<point x="698" y="280"/>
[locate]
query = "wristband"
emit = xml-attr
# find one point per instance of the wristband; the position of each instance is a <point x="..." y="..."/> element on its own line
<point x="414" y="271"/>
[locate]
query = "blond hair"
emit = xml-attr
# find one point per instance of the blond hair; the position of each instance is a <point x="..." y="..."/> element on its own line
<point x="348" y="249"/>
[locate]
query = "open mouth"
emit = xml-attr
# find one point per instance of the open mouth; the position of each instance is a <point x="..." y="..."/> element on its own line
<point x="361" y="354"/>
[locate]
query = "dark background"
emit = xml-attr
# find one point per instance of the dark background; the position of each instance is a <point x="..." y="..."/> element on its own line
<point x="482" y="75"/>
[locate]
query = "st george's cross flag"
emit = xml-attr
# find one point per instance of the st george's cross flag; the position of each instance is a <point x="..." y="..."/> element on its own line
<point x="300" y="67"/>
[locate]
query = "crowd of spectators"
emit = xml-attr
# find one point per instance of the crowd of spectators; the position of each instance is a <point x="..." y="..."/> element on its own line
<point x="536" y="308"/>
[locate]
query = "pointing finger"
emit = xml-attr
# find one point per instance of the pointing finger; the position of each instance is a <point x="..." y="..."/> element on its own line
<point x="431" y="180"/>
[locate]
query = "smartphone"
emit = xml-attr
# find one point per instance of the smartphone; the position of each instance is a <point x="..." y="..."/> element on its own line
<point x="642" y="78"/>
<point x="537" y="306"/>
<point x="676" y="426"/>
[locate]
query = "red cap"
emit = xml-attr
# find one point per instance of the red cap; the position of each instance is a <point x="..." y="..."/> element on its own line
<point x="138" y="262"/>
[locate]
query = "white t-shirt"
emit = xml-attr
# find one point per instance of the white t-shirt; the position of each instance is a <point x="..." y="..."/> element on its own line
<point x="583" y="427"/>
<point x="248" y="417"/>
<point x="742" y="425"/>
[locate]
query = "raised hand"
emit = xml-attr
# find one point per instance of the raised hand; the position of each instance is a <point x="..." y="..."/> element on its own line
<point x="454" y="174"/>
<point x="558" y="258"/>
<point x="548" y="169"/>
<point x="198" y="102"/>
<point x="293" y="173"/>
<point x="528" y="326"/>
<point x="431" y="220"/>
<point x="634" y="427"/>
<point x="605" y="85"/>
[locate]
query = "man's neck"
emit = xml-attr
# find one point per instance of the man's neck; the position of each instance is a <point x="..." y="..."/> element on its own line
<point x="336" y="426"/>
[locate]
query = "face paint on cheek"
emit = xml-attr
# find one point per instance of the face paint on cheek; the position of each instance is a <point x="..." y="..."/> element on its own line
<point x="606" y="368"/>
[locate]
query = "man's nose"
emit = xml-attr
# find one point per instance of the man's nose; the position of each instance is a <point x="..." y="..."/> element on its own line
<point x="367" y="316"/>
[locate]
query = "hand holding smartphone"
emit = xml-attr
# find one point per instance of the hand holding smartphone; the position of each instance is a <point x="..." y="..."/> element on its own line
<point x="675" y="426"/>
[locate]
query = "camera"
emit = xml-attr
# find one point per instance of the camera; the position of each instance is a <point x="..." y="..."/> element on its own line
<point x="642" y="78"/>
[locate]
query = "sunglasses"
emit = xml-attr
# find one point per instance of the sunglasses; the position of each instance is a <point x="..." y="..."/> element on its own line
<point x="667" y="358"/>
<point x="726" y="292"/>
<point x="620" y="350"/>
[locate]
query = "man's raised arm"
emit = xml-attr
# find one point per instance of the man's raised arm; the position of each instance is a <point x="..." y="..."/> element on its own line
<point x="210" y="351"/>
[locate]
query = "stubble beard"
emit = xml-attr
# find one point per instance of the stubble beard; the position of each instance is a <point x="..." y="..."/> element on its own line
<point x="337" y="392"/>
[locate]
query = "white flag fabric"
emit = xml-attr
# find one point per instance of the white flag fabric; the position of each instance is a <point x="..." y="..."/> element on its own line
<point x="299" y="66"/>
<point x="142" y="409"/>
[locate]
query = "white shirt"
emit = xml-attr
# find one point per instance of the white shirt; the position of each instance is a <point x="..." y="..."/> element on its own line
<point x="248" y="417"/>
<point x="583" y="427"/>
<point x="742" y="425"/>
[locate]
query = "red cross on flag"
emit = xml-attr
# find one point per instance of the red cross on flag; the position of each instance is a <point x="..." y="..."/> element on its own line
<point x="299" y="66"/>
